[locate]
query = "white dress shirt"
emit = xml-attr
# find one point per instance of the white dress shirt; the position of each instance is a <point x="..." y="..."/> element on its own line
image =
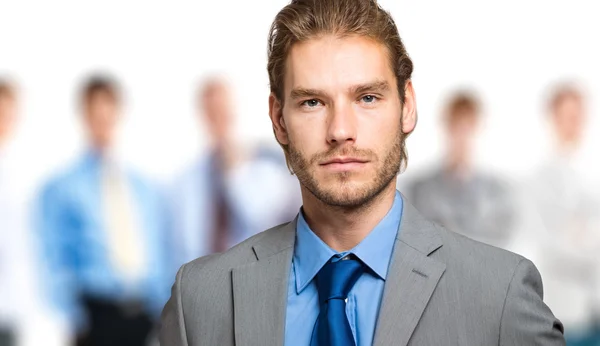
<point x="569" y="241"/>
<point x="16" y="277"/>
<point x="260" y="191"/>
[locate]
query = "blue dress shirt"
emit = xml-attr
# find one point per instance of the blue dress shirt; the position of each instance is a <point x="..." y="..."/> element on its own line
<point x="72" y="233"/>
<point x="362" y="307"/>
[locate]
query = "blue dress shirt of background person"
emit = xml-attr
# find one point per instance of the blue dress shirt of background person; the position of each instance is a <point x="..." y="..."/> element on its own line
<point x="73" y="235"/>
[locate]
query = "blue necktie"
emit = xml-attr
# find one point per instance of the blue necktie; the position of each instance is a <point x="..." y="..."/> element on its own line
<point x="334" y="282"/>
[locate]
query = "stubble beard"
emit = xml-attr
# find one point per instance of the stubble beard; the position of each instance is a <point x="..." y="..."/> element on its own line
<point x="340" y="191"/>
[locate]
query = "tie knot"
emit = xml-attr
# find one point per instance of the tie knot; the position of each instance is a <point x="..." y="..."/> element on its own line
<point x="337" y="277"/>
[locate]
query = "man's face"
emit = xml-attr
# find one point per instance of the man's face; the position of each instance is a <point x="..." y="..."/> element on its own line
<point x="217" y="110"/>
<point x="341" y="119"/>
<point x="461" y="132"/>
<point x="569" y="119"/>
<point x="101" y="118"/>
<point x="8" y="115"/>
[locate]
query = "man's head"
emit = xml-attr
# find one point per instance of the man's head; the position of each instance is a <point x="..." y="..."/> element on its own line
<point x="566" y="109"/>
<point x="461" y="123"/>
<point x="341" y="102"/>
<point x="8" y="110"/>
<point x="100" y="101"/>
<point x="215" y="105"/>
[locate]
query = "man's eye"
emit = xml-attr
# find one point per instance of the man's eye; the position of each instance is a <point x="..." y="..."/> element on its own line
<point x="311" y="103"/>
<point x="369" y="98"/>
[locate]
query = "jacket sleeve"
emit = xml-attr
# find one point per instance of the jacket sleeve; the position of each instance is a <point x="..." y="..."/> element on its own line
<point x="526" y="319"/>
<point x="172" y="329"/>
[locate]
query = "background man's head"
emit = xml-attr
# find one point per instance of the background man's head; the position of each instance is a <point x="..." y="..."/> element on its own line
<point x="8" y="110"/>
<point x="100" y="100"/>
<point x="340" y="89"/>
<point x="567" y="113"/>
<point x="216" y="107"/>
<point x="462" y="118"/>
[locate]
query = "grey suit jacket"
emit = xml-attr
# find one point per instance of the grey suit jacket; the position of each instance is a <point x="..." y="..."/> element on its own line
<point x="441" y="289"/>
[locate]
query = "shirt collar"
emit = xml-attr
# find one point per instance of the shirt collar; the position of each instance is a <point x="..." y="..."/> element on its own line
<point x="311" y="253"/>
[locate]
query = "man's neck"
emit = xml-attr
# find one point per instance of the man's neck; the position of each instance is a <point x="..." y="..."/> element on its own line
<point x="567" y="148"/>
<point x="343" y="228"/>
<point x="3" y="144"/>
<point x="459" y="167"/>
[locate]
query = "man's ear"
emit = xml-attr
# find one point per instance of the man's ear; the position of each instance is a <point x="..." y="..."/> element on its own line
<point x="276" y="115"/>
<point x="409" y="108"/>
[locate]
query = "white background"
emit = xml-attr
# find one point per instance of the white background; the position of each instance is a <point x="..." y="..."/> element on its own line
<point x="509" y="52"/>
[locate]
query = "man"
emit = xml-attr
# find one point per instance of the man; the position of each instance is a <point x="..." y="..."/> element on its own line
<point x="15" y="255"/>
<point x="458" y="195"/>
<point x="233" y="191"/>
<point x="359" y="265"/>
<point x="102" y="228"/>
<point x="568" y="246"/>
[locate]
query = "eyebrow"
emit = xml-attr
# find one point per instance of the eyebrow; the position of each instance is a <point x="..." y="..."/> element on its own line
<point x="298" y="93"/>
<point x="376" y="86"/>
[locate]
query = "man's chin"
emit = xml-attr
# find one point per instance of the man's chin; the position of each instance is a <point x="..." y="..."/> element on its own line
<point x="346" y="195"/>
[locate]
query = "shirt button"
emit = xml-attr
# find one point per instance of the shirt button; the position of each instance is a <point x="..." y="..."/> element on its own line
<point x="346" y="300"/>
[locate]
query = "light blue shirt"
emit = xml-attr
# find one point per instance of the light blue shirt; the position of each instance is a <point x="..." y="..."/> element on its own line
<point x="362" y="308"/>
<point x="71" y="226"/>
<point x="260" y="193"/>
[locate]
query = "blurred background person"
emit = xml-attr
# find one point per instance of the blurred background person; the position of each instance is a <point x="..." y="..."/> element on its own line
<point x="102" y="229"/>
<point x="458" y="195"/>
<point x="569" y="245"/>
<point x="16" y="292"/>
<point x="11" y="224"/>
<point x="231" y="192"/>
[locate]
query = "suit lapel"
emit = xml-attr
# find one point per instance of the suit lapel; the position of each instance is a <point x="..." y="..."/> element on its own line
<point x="411" y="280"/>
<point x="260" y="290"/>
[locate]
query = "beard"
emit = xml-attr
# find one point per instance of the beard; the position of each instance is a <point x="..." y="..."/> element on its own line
<point x="340" y="190"/>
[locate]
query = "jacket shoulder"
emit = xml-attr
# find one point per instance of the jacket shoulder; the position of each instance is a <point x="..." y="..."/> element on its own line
<point x="478" y="256"/>
<point x="477" y="272"/>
